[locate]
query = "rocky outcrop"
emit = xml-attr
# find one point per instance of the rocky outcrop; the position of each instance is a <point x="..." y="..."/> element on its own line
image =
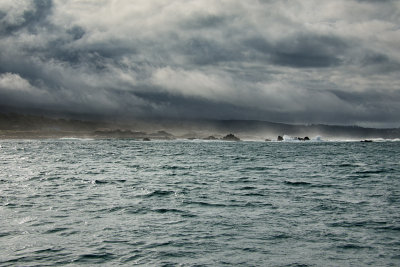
<point x="230" y="137"/>
<point x="280" y="138"/>
<point x="303" y="139"/>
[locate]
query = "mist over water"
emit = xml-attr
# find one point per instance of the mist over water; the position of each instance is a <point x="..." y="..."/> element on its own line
<point x="77" y="201"/>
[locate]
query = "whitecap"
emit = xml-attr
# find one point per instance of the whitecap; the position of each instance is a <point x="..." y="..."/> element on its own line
<point x="75" y="139"/>
<point x="317" y="139"/>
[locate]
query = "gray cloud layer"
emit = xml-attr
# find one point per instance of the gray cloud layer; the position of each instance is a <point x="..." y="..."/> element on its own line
<point x="291" y="61"/>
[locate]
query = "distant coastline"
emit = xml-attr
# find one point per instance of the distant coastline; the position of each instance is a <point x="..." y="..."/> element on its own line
<point x="19" y="126"/>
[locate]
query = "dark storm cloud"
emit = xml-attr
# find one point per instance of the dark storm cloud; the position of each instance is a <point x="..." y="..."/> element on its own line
<point x="309" y="51"/>
<point x="31" y="18"/>
<point x="307" y="61"/>
<point x="76" y="32"/>
<point x="303" y="50"/>
<point x="380" y="63"/>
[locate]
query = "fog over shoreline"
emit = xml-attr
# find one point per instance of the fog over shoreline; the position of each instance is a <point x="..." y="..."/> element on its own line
<point x="303" y="62"/>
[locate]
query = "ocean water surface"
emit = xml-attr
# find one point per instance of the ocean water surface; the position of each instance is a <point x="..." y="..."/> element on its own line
<point x="196" y="203"/>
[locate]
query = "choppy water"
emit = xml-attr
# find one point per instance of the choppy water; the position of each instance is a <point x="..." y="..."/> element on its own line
<point x="124" y="202"/>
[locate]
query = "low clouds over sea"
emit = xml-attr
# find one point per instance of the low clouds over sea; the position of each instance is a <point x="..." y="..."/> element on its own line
<point x="335" y="62"/>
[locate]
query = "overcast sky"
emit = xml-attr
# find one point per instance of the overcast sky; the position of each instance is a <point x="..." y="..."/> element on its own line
<point x="300" y="61"/>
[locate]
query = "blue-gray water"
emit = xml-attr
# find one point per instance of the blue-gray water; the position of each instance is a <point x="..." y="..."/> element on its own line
<point x="122" y="202"/>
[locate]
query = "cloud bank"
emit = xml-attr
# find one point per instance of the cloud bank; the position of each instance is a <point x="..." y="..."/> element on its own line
<point x="334" y="62"/>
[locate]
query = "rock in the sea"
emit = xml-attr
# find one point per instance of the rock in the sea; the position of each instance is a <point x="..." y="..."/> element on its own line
<point x="267" y="140"/>
<point x="146" y="139"/>
<point x="230" y="137"/>
<point x="303" y="139"/>
<point x="366" y="141"/>
<point x="280" y="138"/>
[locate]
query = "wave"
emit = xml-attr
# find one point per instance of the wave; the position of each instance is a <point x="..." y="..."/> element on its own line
<point x="352" y="246"/>
<point x="288" y="138"/>
<point x="56" y="230"/>
<point x="307" y="184"/>
<point x="207" y="204"/>
<point x="297" y="183"/>
<point x="75" y="139"/>
<point x="182" y="213"/>
<point x="159" y="193"/>
<point x="95" y="258"/>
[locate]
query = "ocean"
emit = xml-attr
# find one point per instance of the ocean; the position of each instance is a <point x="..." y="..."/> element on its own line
<point x="199" y="203"/>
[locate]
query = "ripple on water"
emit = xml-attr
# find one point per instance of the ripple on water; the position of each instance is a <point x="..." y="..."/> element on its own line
<point x="123" y="202"/>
